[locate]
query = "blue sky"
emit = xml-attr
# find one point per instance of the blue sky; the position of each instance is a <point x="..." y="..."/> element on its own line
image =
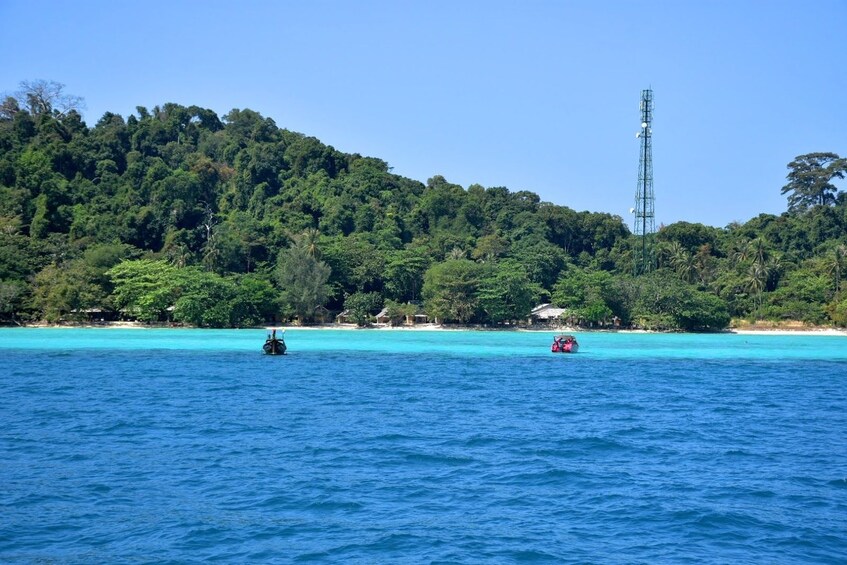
<point x="531" y="95"/>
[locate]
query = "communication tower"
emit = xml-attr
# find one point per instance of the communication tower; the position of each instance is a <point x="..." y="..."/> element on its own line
<point x="644" y="259"/>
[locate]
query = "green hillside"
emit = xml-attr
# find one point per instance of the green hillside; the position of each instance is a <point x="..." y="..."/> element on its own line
<point x="176" y="213"/>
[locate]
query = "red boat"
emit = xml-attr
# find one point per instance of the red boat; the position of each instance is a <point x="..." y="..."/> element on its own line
<point x="564" y="344"/>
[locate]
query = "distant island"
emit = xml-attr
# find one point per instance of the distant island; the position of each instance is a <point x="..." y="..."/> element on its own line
<point x="177" y="215"/>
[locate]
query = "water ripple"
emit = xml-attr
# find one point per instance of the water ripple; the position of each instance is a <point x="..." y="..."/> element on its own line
<point x="428" y="449"/>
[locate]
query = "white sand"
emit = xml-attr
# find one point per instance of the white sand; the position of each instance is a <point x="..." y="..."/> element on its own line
<point x="823" y="331"/>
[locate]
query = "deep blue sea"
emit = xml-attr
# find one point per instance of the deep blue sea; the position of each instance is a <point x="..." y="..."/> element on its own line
<point x="369" y="446"/>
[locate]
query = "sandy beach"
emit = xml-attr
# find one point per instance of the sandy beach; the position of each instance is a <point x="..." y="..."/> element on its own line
<point x="751" y="330"/>
<point x="822" y="331"/>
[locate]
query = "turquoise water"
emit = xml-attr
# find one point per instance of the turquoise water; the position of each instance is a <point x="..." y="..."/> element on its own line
<point x="421" y="447"/>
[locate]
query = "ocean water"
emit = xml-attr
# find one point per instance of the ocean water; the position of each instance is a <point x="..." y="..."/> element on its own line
<point x="183" y="446"/>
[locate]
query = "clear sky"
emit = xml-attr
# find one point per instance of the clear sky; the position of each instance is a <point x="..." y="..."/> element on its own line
<point x="527" y="94"/>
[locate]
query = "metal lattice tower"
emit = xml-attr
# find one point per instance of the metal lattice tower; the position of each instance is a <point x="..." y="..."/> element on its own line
<point x="645" y="218"/>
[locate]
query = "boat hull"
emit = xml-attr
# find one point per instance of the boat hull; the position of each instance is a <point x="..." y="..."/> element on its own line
<point x="564" y="344"/>
<point x="274" y="347"/>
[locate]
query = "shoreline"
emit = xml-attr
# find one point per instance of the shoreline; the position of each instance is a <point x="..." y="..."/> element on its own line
<point x="805" y="331"/>
<point x="822" y="331"/>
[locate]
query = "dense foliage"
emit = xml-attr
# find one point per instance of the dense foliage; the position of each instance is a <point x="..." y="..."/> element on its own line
<point x="178" y="214"/>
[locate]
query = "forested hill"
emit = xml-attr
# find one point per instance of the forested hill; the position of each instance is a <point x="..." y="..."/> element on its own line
<point x="178" y="213"/>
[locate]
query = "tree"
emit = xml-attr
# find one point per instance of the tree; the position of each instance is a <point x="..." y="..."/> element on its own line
<point x="702" y="311"/>
<point x="357" y="265"/>
<point x="48" y="98"/>
<point x="310" y="239"/>
<point x="810" y="180"/>
<point x="690" y="236"/>
<point x="11" y="293"/>
<point x="73" y="286"/>
<point x="145" y="288"/>
<point x="398" y="312"/>
<point x="757" y="276"/>
<point x="577" y="286"/>
<point x="438" y="206"/>
<point x="506" y="293"/>
<point x="205" y="299"/>
<point x="363" y="306"/>
<point x="704" y="264"/>
<point x="731" y="286"/>
<point x="587" y="293"/>
<point x="8" y="108"/>
<point x="450" y="290"/>
<point x="256" y="301"/>
<point x="562" y="225"/>
<point x="837" y="264"/>
<point x="303" y="278"/>
<point x="803" y="296"/>
<point x="456" y="253"/>
<point x="594" y="312"/>
<point x="542" y="260"/>
<point x="404" y="275"/>
<point x="681" y="260"/>
<point x="837" y="311"/>
<point x="489" y="248"/>
<point x="665" y="303"/>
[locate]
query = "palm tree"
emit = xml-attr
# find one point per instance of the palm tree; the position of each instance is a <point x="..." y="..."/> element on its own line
<point x="774" y="267"/>
<point x="837" y="263"/>
<point x="456" y="253"/>
<point x="686" y="266"/>
<point x="211" y="255"/>
<point x="757" y="279"/>
<point x="309" y="240"/>
<point x="759" y="250"/>
<point x="741" y="251"/>
<point x="665" y="251"/>
<point x="704" y="264"/>
<point x="682" y="261"/>
<point x="178" y="254"/>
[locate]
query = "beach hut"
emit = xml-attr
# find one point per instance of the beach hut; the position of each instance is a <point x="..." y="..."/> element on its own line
<point x="94" y="315"/>
<point x="382" y="317"/>
<point x="343" y="317"/>
<point x="322" y="315"/>
<point x="546" y="314"/>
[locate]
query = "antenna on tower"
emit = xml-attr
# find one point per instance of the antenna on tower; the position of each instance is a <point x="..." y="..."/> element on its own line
<point x="644" y="260"/>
